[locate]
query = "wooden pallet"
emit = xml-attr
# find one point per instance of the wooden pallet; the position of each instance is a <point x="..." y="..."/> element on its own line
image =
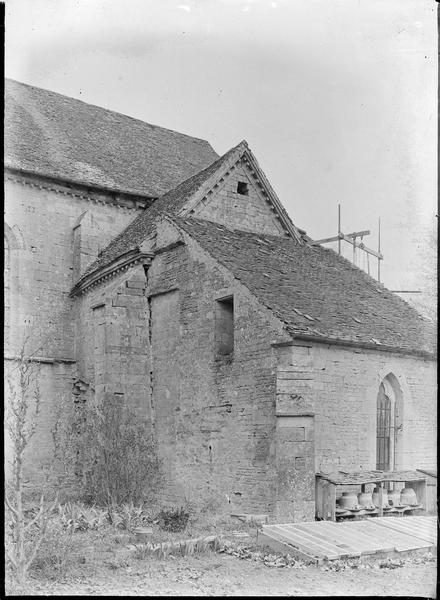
<point x="320" y="541"/>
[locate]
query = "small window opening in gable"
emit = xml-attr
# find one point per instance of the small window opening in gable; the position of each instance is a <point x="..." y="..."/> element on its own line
<point x="242" y="188"/>
<point x="224" y="325"/>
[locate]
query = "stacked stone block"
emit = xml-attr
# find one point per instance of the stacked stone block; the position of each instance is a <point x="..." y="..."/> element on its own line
<point x="251" y="212"/>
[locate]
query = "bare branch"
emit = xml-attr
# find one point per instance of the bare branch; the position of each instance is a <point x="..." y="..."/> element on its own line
<point x="34" y="520"/>
<point x="11" y="508"/>
<point x="54" y="505"/>
<point x="12" y="559"/>
<point x="23" y="409"/>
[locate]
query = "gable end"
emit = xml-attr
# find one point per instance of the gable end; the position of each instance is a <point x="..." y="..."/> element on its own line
<point x="250" y="210"/>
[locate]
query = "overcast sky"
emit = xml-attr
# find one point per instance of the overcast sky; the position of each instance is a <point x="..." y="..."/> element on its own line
<point x="336" y="98"/>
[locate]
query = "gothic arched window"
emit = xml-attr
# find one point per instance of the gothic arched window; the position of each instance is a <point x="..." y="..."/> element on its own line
<point x="384" y="431"/>
<point x="389" y="419"/>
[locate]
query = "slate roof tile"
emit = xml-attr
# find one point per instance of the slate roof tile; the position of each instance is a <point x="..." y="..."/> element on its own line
<point x="143" y="226"/>
<point x="318" y="284"/>
<point x="56" y="136"/>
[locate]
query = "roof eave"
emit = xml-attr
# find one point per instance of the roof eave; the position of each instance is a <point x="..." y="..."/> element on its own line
<point x="356" y="344"/>
<point x="128" y="259"/>
<point x="137" y="195"/>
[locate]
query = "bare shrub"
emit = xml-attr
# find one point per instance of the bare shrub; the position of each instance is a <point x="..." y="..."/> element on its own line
<point x="111" y="452"/>
<point x="66" y="431"/>
<point x="25" y="531"/>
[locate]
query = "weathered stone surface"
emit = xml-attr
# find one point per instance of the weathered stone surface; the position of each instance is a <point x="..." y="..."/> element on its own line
<point x="41" y="275"/>
<point x="249" y="212"/>
<point x="243" y="431"/>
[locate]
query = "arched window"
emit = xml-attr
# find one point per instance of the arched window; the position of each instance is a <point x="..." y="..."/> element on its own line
<point x="389" y="425"/>
<point x="384" y="431"/>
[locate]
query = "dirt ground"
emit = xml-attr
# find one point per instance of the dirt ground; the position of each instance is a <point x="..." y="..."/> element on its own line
<point x="117" y="572"/>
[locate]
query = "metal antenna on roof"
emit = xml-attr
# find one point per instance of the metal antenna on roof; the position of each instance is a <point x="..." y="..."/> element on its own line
<point x="339" y="228"/>
<point x="378" y="250"/>
<point x="351" y="238"/>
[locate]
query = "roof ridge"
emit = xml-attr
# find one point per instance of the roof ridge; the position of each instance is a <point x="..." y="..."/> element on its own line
<point x="109" y="110"/>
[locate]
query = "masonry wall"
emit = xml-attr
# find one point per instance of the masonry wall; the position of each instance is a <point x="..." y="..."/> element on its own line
<point x="151" y="340"/>
<point x="343" y="397"/>
<point x="215" y="413"/>
<point x="112" y="341"/>
<point x="54" y="380"/>
<point x="243" y="432"/>
<point x="251" y="212"/>
<point x="232" y="429"/>
<point x="295" y="435"/>
<point x="42" y="221"/>
<point x="39" y="234"/>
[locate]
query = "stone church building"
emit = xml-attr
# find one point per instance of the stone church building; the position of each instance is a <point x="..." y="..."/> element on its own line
<point x="151" y="269"/>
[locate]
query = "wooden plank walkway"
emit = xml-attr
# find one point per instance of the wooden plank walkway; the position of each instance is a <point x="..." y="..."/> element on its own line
<point x="387" y="538"/>
<point x="423" y="528"/>
<point x="326" y="540"/>
<point x="357" y="541"/>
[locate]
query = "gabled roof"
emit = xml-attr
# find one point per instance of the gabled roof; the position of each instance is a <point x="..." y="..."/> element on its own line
<point x="313" y="290"/>
<point x="52" y="135"/>
<point x="184" y="198"/>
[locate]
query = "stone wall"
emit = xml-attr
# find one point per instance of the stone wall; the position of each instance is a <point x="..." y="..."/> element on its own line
<point x="54" y="380"/>
<point x="42" y="222"/>
<point x="216" y="411"/>
<point x="343" y="398"/>
<point x="166" y="378"/>
<point x="39" y="234"/>
<point x="295" y="437"/>
<point x="243" y="431"/>
<point x="251" y="212"/>
<point x="240" y="431"/>
<point x="212" y="414"/>
<point x="112" y="340"/>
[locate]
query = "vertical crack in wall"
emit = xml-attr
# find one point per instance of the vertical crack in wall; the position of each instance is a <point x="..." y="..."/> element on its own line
<point x="150" y="348"/>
